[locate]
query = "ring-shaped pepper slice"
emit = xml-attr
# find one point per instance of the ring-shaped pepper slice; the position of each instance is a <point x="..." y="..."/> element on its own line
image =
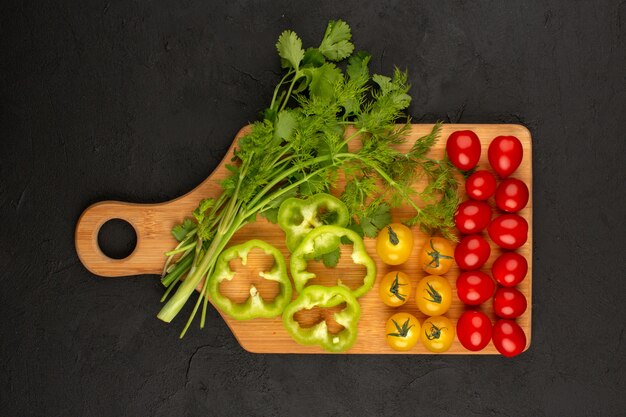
<point x="324" y="297"/>
<point x="254" y="306"/>
<point x="325" y="239"/>
<point x="298" y="217"/>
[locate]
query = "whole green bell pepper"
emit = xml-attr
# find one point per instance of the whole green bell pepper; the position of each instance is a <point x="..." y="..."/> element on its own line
<point x="324" y="297"/>
<point x="254" y="306"/>
<point x="298" y="217"/>
<point x="325" y="239"/>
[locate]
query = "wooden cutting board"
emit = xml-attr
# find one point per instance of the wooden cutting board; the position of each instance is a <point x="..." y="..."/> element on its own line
<point x="153" y="222"/>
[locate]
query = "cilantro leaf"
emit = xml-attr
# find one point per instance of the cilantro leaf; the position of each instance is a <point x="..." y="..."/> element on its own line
<point x="336" y="43"/>
<point x="180" y="231"/>
<point x="313" y="58"/>
<point x="315" y="184"/>
<point x="200" y="211"/>
<point x="373" y="221"/>
<point x="358" y="65"/>
<point x="331" y="259"/>
<point x="276" y="202"/>
<point x="383" y="82"/>
<point x="289" y="47"/>
<point x="285" y="124"/>
<point x="323" y="80"/>
<point x="394" y="89"/>
<point x="271" y="215"/>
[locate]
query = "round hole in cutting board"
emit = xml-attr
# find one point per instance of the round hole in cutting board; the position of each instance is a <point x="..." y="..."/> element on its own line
<point x="117" y="238"/>
<point x="350" y="273"/>
<point x="238" y="289"/>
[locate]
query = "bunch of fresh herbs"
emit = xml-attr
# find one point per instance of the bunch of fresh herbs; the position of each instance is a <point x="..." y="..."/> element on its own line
<point x="300" y="147"/>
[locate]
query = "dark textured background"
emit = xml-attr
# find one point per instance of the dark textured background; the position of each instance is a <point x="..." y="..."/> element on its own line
<point x="138" y="101"/>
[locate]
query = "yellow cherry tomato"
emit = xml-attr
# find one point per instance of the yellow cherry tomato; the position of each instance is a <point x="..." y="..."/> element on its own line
<point x="403" y="331"/>
<point x="395" y="288"/>
<point x="437" y="334"/>
<point x="433" y="295"/>
<point x="394" y="244"/>
<point x="437" y="256"/>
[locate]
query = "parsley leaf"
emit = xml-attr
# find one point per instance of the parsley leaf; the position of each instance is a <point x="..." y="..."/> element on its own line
<point x="336" y="43"/>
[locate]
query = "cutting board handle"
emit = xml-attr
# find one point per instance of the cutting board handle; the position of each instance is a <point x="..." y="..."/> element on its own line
<point x="153" y="238"/>
<point x="152" y="223"/>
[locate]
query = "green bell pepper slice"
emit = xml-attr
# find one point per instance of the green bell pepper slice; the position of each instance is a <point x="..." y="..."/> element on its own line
<point x="298" y="217"/>
<point x="324" y="297"/>
<point x="325" y="239"/>
<point x="254" y="306"/>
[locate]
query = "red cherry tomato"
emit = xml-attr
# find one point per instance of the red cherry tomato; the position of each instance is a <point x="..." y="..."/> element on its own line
<point x="508" y="231"/>
<point x="473" y="330"/>
<point x="474" y="287"/>
<point x="472" y="252"/>
<point x="509" y="303"/>
<point x="505" y="155"/>
<point x="472" y="216"/>
<point x="463" y="148"/>
<point x="480" y="185"/>
<point x="508" y="338"/>
<point x="511" y="195"/>
<point x="509" y="269"/>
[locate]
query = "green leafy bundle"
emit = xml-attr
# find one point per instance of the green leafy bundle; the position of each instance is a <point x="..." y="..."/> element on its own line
<point x="301" y="146"/>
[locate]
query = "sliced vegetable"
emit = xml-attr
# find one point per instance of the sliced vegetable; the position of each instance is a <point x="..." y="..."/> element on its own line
<point x="254" y="306"/>
<point x="394" y="288"/>
<point x="394" y="244"/>
<point x="436" y="256"/>
<point x="325" y="239"/>
<point x="433" y="295"/>
<point x="403" y="331"/>
<point x="437" y="334"/>
<point x="297" y="217"/>
<point x="324" y="297"/>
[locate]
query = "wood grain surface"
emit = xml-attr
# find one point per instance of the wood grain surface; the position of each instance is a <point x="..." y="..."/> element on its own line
<point x="153" y="222"/>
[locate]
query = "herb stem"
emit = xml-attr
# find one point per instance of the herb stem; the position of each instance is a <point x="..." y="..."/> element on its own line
<point x="278" y="88"/>
<point x="288" y="96"/>
<point x="279" y="178"/>
<point x="181" y="249"/>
